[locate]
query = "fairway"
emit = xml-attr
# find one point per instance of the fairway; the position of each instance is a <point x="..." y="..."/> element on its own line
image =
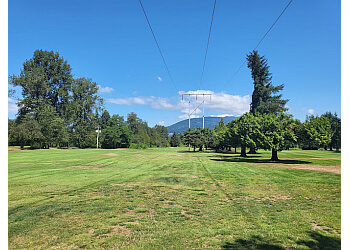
<point x="169" y="198"/>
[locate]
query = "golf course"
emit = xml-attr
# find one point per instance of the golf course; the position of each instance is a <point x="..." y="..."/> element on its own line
<point x="171" y="198"/>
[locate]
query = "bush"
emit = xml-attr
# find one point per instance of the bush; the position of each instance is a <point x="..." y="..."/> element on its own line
<point x="138" y="146"/>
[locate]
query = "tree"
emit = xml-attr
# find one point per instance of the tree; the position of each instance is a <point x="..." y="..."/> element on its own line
<point x="247" y="129"/>
<point x="52" y="126"/>
<point x="219" y="133"/>
<point x="277" y="132"/>
<point x="194" y="137"/>
<point x="139" y="130"/>
<point x="116" y="134"/>
<point x="45" y="79"/>
<point x="315" y="132"/>
<point x="336" y="130"/>
<point x="159" y="136"/>
<point x="84" y="102"/>
<point x="263" y="99"/>
<point x="232" y="136"/>
<point x="29" y="131"/>
<point x="104" y="119"/>
<point x="175" y="140"/>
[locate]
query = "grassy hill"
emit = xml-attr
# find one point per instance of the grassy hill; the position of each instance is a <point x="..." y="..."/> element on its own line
<point x="209" y="122"/>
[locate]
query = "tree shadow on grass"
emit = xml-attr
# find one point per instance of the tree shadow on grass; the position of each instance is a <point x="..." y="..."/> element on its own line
<point x="255" y="242"/>
<point x="255" y="159"/>
<point x="320" y="241"/>
<point x="317" y="241"/>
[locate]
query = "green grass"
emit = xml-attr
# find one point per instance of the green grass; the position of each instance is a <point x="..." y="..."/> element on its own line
<point x="172" y="199"/>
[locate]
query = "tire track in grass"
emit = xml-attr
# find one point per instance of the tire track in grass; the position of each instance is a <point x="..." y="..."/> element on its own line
<point x="217" y="184"/>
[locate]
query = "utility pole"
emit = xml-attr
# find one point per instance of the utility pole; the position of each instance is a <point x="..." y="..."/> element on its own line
<point x="189" y="109"/>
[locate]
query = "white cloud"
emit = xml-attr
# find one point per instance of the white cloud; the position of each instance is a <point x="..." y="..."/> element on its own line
<point x="162" y="123"/>
<point x="219" y="102"/>
<point x="12" y="106"/>
<point x="104" y="89"/>
<point x="159" y="78"/>
<point x="222" y="115"/>
<point x="154" y="102"/>
<point x="228" y="105"/>
<point x="310" y="111"/>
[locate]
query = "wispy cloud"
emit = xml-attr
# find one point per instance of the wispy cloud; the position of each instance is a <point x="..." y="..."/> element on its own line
<point x="105" y="89"/>
<point x="154" y="102"/>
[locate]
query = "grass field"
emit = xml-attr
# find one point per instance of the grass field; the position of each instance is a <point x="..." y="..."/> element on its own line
<point x="173" y="199"/>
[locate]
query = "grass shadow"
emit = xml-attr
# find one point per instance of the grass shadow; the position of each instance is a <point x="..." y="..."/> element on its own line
<point x="317" y="241"/>
<point x="320" y="241"/>
<point x="255" y="159"/>
<point x="255" y="242"/>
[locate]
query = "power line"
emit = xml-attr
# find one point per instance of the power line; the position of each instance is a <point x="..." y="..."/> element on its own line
<point x="259" y="43"/>
<point x="206" y="51"/>
<point x="161" y="54"/>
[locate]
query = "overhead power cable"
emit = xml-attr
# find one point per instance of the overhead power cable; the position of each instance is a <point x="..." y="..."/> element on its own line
<point x="161" y="54"/>
<point x="206" y="51"/>
<point x="258" y="43"/>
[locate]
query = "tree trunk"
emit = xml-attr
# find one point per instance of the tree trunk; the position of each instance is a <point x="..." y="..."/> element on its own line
<point x="252" y="151"/>
<point x="235" y="149"/>
<point x="274" y="155"/>
<point x="243" y="151"/>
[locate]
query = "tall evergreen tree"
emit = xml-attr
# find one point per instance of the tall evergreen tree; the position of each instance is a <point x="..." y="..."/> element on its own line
<point x="264" y="98"/>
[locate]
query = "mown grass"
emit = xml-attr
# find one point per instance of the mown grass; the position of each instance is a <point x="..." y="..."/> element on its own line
<point x="172" y="199"/>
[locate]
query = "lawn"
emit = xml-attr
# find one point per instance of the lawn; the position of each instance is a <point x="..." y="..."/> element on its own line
<point x="170" y="198"/>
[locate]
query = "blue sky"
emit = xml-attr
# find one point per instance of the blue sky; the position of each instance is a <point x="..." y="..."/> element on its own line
<point x="111" y="43"/>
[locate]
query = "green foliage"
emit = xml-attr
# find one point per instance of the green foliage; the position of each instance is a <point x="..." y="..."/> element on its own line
<point x="314" y="133"/>
<point x="264" y="98"/>
<point x="194" y="138"/>
<point x="56" y="101"/>
<point x="29" y="131"/>
<point x="175" y="140"/>
<point x="84" y="102"/>
<point x="336" y="130"/>
<point x="116" y="134"/>
<point x="104" y="119"/>
<point x="220" y="130"/>
<point x="232" y="137"/>
<point x="159" y="136"/>
<point x="276" y="132"/>
<point x="248" y="131"/>
<point x="45" y="78"/>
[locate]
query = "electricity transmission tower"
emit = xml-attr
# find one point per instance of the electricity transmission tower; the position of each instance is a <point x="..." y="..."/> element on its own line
<point x="189" y="109"/>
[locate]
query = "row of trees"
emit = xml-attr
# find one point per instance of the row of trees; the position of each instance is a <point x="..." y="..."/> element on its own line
<point x="270" y="131"/>
<point x="57" y="109"/>
<point x="134" y="132"/>
<point x="267" y="126"/>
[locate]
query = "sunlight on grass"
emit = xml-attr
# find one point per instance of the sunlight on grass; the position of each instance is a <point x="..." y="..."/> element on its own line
<point x="169" y="198"/>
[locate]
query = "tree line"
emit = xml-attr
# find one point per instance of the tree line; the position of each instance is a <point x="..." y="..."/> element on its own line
<point x="59" y="110"/>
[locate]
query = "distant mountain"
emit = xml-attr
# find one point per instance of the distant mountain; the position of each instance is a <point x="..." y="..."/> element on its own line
<point x="209" y="122"/>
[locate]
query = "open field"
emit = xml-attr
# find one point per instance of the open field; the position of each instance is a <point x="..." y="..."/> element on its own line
<point x="173" y="199"/>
